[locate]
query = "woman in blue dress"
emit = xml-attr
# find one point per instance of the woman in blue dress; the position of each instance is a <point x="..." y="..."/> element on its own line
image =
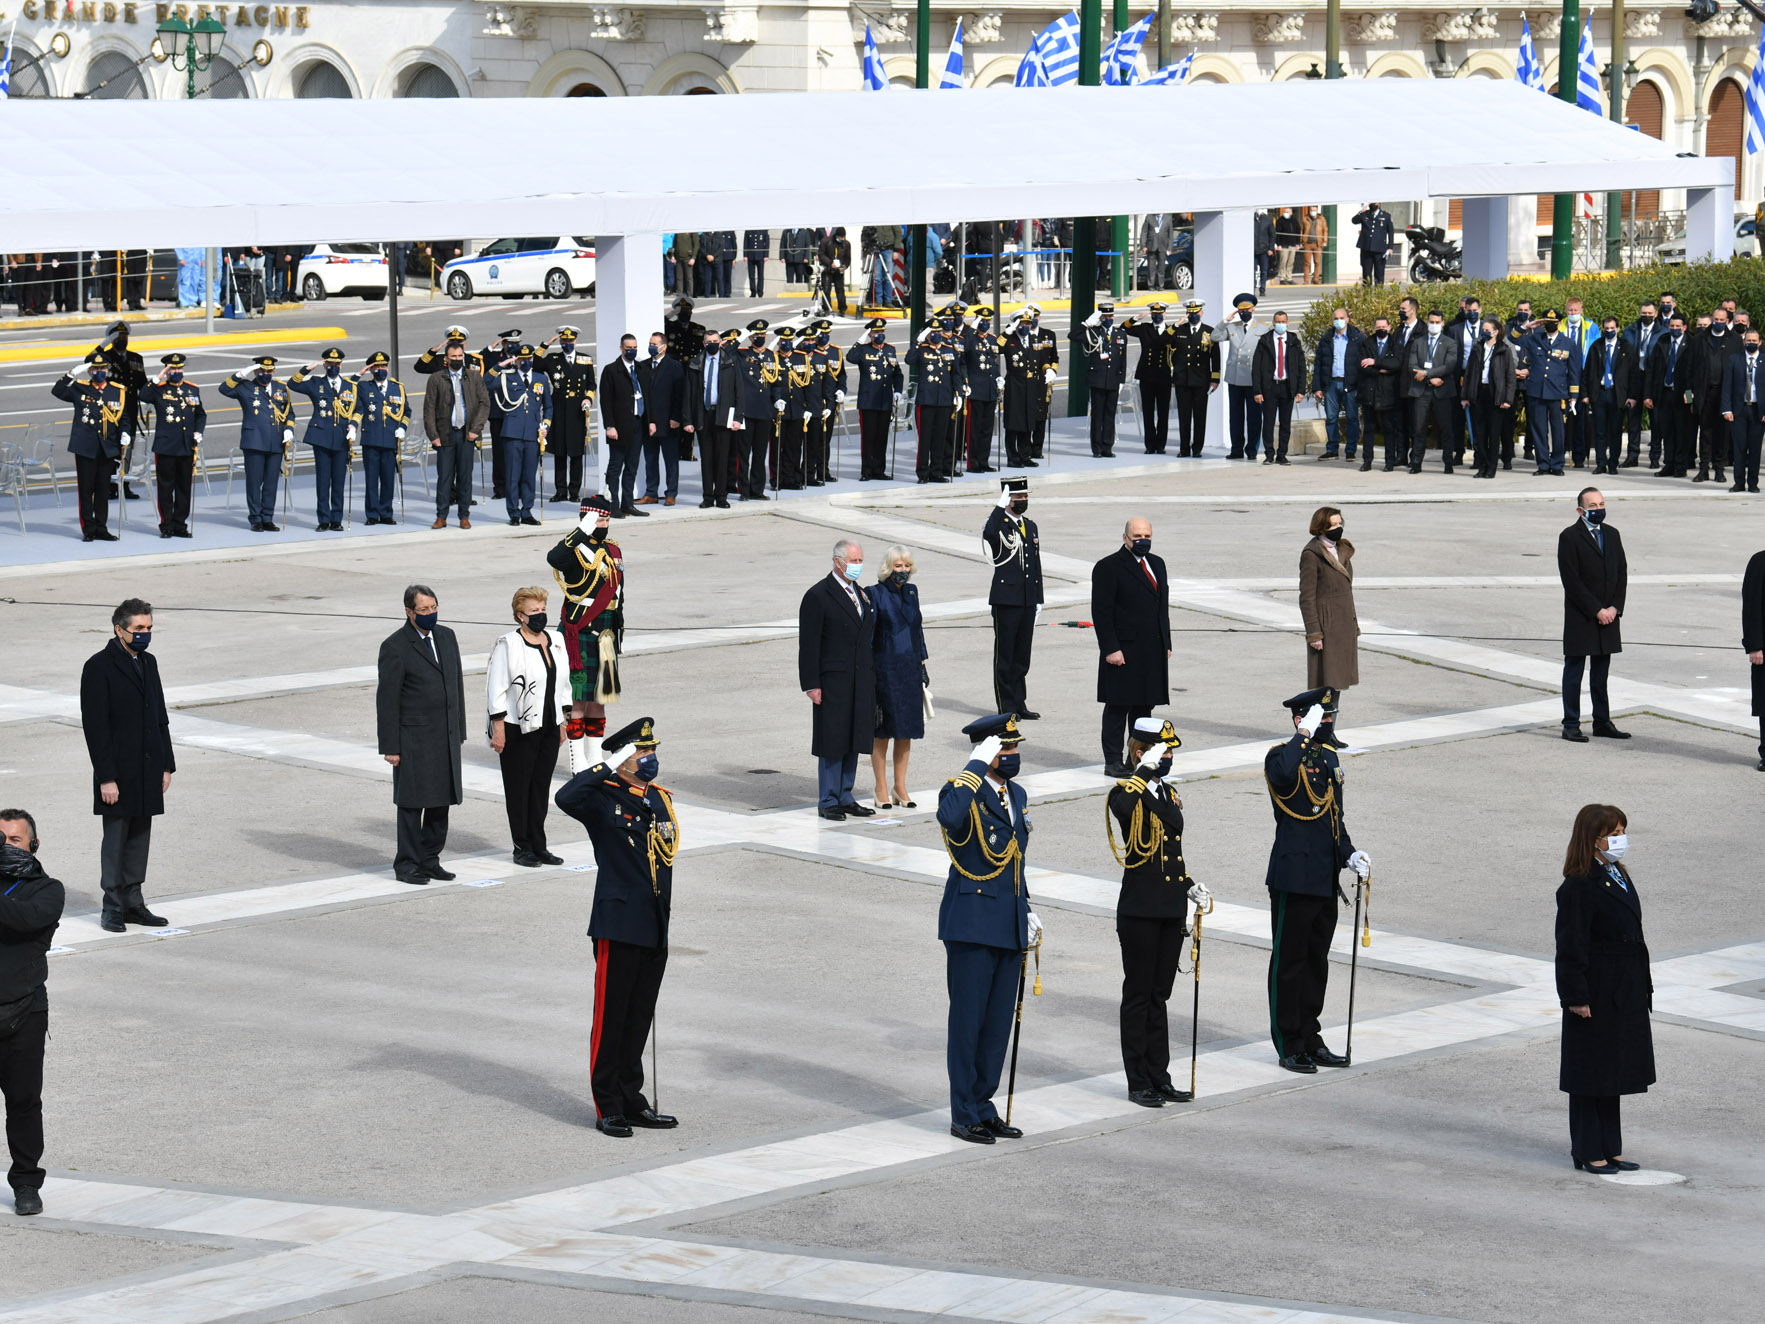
<point x="900" y="654"/>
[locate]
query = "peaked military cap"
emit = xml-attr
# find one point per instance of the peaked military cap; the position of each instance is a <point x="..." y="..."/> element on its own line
<point x="1018" y="486"/>
<point x="1243" y="301"/>
<point x="683" y="302"/>
<point x="1156" y="730"/>
<point x="378" y="359"/>
<point x="1550" y="313"/>
<point x="332" y="355"/>
<point x="456" y="335"/>
<point x="524" y="352"/>
<point x="264" y="361"/>
<point x="731" y="336"/>
<point x="173" y="360"/>
<point x="1157" y="307"/>
<point x="982" y="314"/>
<point x="641" y="733"/>
<point x="1106" y="307"/>
<point x="822" y="324"/>
<point x="571" y="331"/>
<point x="509" y="335"/>
<point x="877" y="324"/>
<point x="1003" y="725"/>
<point x="1195" y="305"/>
<point x="759" y="324"/>
<point x="1300" y="703"/>
<point x="786" y="333"/>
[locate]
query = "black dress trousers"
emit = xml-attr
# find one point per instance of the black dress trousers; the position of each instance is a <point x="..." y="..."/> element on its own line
<point x="1299" y="968"/>
<point x="627" y="981"/>
<point x="527" y="765"/>
<point x="1150" y="949"/>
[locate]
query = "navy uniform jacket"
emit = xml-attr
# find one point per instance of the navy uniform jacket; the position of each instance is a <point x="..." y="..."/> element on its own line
<point x="801" y="395"/>
<point x="1195" y="356"/>
<point x="1376" y="230"/>
<point x="941" y="377"/>
<point x="833" y="379"/>
<point x="381" y="409"/>
<point x="879" y="374"/>
<point x="1155" y="881"/>
<point x="986" y="899"/>
<point x="181" y="416"/>
<point x="1553" y="366"/>
<point x="333" y="408"/>
<point x="982" y="363"/>
<point x="523" y="406"/>
<point x="98" y="411"/>
<point x="1106" y="354"/>
<point x="1311" y="839"/>
<point x="1155" y="351"/>
<point x="760" y="385"/>
<point x="1016" y="549"/>
<point x="632" y="828"/>
<point x="265" y="412"/>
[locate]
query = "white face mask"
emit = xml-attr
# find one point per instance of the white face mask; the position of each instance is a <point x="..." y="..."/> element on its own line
<point x="1616" y="845"/>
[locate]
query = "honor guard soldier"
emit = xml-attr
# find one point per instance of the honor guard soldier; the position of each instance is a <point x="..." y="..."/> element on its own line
<point x="1020" y="362"/>
<point x="328" y="431"/>
<point x="177" y="441"/>
<point x="879" y="390"/>
<point x="1311" y="848"/>
<point x="830" y="369"/>
<point x="571" y="373"/>
<point x="266" y="432"/>
<point x="1152" y="908"/>
<point x="524" y="399"/>
<point x="938" y="360"/>
<point x="1050" y="347"/>
<point x="761" y="400"/>
<point x="1105" y="347"/>
<point x="382" y="409"/>
<point x="128" y="372"/>
<point x="96" y="441"/>
<point x="985" y="921"/>
<point x="1195" y="375"/>
<point x="685" y="337"/>
<point x="1016" y="593"/>
<point x="796" y="389"/>
<point x="497" y="355"/>
<point x="590" y="571"/>
<point x="1153" y="373"/>
<point x="981" y="362"/>
<point x="631" y="823"/>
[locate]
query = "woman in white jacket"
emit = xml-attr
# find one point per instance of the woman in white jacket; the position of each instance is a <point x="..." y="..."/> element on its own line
<point x="528" y="698"/>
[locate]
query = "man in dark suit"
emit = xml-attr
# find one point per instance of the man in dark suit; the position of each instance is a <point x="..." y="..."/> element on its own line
<point x="1743" y="406"/>
<point x="623" y="418"/>
<point x="1591" y="564"/>
<point x="420" y="715"/>
<point x="1374" y="241"/>
<point x="837" y="670"/>
<point x="1131" y="612"/>
<point x="1015" y="595"/>
<point x="128" y="736"/>
<point x="1381" y="366"/>
<point x="456" y="407"/>
<point x="713" y="408"/>
<point x="632" y="824"/>
<point x="1752" y="639"/>
<point x="1606" y="378"/>
<point x="663" y="379"/>
<point x="1431" y="386"/>
<point x="1642" y="335"/>
<point x="1277" y="377"/>
<point x="1664" y="397"/>
<point x="1711" y="350"/>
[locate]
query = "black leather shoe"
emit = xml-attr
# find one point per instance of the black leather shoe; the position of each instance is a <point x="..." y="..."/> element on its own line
<point x="1623" y="1165"/>
<point x="1606" y="731"/>
<point x="1000" y="1129"/>
<point x="27" y="1200"/>
<point x="418" y="879"/>
<point x="833" y="815"/>
<point x="145" y="918"/>
<point x="546" y="857"/>
<point x="1574" y="733"/>
<point x="723" y="505"/>
<point x="110" y="924"/>
<point x="1301" y="1063"/>
<point x="1117" y="770"/>
<point x="1325" y="1058"/>
<point x="1146" y="1098"/>
<point x="1598" y="1169"/>
<point x="439" y="874"/>
<point x="651" y="1120"/>
<point x="1366" y="466"/>
<point x="1174" y="1095"/>
<point x="975" y="1135"/>
<point x="634" y="511"/>
<point x="515" y="521"/>
<point x="527" y="859"/>
<point x="859" y="811"/>
<point x="615" y="1126"/>
<point x="1027" y="716"/>
<point x="530" y="521"/>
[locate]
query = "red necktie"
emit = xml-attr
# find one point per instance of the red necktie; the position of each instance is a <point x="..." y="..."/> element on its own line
<point x="1281" y="357"/>
<point x="1150" y="577"/>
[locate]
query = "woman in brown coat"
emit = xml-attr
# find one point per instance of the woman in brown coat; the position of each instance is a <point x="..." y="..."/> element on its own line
<point x="1326" y="604"/>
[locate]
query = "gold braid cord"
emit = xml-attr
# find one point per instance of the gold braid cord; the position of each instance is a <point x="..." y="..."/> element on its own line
<point x="663" y="846"/>
<point x="1001" y="860"/>
<point x="1145" y="835"/>
<point x="1322" y="805"/>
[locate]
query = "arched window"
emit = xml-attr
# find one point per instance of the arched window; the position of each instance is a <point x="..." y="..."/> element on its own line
<point x="425" y="80"/>
<point x="1724" y="131"/>
<point x="225" y="82"/>
<point x="698" y="90"/>
<point x="319" y="80"/>
<point x="1646" y="109"/>
<point x="28" y="78"/>
<point x="113" y="74"/>
<point x="585" y="90"/>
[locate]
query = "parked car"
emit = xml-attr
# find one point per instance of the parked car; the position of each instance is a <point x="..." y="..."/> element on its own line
<point x="1179" y="263"/>
<point x="334" y="269"/>
<point x="1746" y="243"/>
<point x="553" y="268"/>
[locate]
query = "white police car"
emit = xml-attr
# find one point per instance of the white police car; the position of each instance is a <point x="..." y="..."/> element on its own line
<point x="554" y="268"/>
<point x="334" y="269"/>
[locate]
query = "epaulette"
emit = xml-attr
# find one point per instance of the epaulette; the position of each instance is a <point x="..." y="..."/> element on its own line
<point x="1134" y="784"/>
<point x="966" y="779"/>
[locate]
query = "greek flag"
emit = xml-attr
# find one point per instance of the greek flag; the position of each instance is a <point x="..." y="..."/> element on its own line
<point x="1030" y="72"/>
<point x="953" y="61"/>
<point x="1754" y="98"/>
<point x="1121" y="58"/>
<point x="875" y="80"/>
<point x="1528" y="70"/>
<point x="6" y="62"/>
<point x="1587" y="73"/>
<point x="1171" y="73"/>
<point x="1057" y="45"/>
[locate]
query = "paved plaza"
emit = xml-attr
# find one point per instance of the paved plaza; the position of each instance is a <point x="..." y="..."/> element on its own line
<point x="323" y="1093"/>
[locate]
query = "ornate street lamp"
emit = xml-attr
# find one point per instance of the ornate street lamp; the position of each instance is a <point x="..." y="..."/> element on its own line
<point x="191" y="49"/>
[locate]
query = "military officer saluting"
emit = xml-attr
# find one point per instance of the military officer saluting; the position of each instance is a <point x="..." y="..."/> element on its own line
<point x="96" y="441"/>
<point x="1105" y="347"/>
<point x="382" y="409"/>
<point x="685" y="337"/>
<point x="177" y="435"/>
<point x="434" y="359"/>
<point x="1311" y="848"/>
<point x="759" y="400"/>
<point x="1021" y="364"/>
<point x="1049" y="344"/>
<point x="497" y="355"/>
<point x="938" y="360"/>
<point x="571" y="373"/>
<point x="981" y="362"/>
<point x="1016" y="593"/>
<point x="879" y="390"/>
<point x="630" y="820"/>
<point x="985" y="921"/>
<point x="266" y="431"/>
<point x="1150" y="914"/>
<point x="328" y="430"/>
<point x="1153" y="373"/>
<point x="830" y="366"/>
<point x="1195" y="375"/>
<point x="524" y="398"/>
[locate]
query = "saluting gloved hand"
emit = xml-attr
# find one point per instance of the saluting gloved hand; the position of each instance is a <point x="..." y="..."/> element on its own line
<point x="1361" y="864"/>
<point x="987" y="750"/>
<point x="1313" y="719"/>
<point x="1200" y="896"/>
<point x="925" y="332"/>
<point x="618" y="757"/>
<point x="1150" y="760"/>
<point x="1004" y="501"/>
<point x="1034" y="928"/>
<point x="1095" y="319"/>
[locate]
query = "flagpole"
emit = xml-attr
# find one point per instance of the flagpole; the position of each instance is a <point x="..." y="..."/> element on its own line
<point x="922" y="77"/>
<point x="1121" y="268"/>
<point x="1164" y="32"/>
<point x="1568" y="75"/>
<point x="1615" y="200"/>
<point x="1084" y="228"/>
<point x="1332" y="69"/>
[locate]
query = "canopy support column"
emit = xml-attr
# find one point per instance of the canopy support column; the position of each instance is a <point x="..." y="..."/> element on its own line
<point x="1224" y="267"/>
<point x="1485" y="241"/>
<point x="628" y="300"/>
<point x="1709" y="224"/>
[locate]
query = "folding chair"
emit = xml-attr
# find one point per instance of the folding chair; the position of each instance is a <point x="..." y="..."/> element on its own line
<point x="38" y="452"/>
<point x="12" y="478"/>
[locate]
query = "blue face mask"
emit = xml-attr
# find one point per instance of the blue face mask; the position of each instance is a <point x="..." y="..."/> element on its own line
<point x="1164" y="766"/>
<point x="173" y="378"/>
<point x="139" y="640"/>
<point x="1594" y="516"/>
<point x="1008" y="766"/>
<point x="426" y="619"/>
<point x="379" y="374"/>
<point x="655" y="350"/>
<point x="854" y="571"/>
<point x="648" y="767"/>
<point x="1141" y="546"/>
<point x="630" y="353"/>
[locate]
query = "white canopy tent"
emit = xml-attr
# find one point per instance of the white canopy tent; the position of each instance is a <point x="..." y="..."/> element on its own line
<point x="103" y="173"/>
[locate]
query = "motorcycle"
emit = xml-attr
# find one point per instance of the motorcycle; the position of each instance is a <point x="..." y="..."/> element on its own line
<point x="1433" y="257"/>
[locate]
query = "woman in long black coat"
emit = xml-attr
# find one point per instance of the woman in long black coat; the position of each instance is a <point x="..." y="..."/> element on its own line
<point x="900" y="694"/>
<point x="1603" y="983"/>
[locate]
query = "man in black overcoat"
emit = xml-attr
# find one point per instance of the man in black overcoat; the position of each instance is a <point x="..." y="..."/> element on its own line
<point x="128" y="736"/>
<point x="420" y="711"/>
<point x="837" y="670"/>
<point x="1752" y="635"/>
<point x="1590" y="561"/>
<point x="1131" y="612"/>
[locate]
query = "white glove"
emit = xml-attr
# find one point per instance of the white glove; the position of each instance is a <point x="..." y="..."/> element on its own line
<point x="287" y="436"/>
<point x="617" y="758"/>
<point x="778" y="405"/>
<point x="353" y="433"/>
<point x="398" y="434"/>
<point x="839" y="397"/>
<point x="1362" y="866"/>
<point x="1313" y="719"/>
<point x="987" y="750"/>
<point x="585" y="405"/>
<point x="897" y="397"/>
<point x="1049" y="375"/>
<point x="965" y="388"/>
<point x="1200" y="896"/>
<point x="998" y="383"/>
<point x="196" y="437"/>
<point x="826" y="413"/>
<point x="1034" y="927"/>
<point x="1153" y="757"/>
<point x="127" y="440"/>
<point x="925" y="333"/>
<point x="1004" y="501"/>
<point x="1095" y="319"/>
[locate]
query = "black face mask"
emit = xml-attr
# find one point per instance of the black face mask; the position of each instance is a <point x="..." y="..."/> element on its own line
<point x="711" y="347"/>
<point x="1164" y="765"/>
<point x="426" y="619"/>
<point x="758" y="342"/>
<point x="173" y="378"/>
<point x="16" y="861"/>
<point x="1008" y="766"/>
<point x="1018" y="507"/>
<point x="629" y="353"/>
<point x="1646" y="320"/>
<point x="1140" y="546"/>
<point x="1718" y="328"/>
<point x="536" y="621"/>
<point x="1550" y="325"/>
<point x="1335" y="534"/>
<point x="1595" y="516"/>
<point x="877" y="337"/>
<point x="1194" y="319"/>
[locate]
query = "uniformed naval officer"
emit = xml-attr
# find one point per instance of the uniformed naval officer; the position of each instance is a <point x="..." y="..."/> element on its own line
<point x="985" y="378"/>
<point x="631" y="822"/>
<point x="1153" y="373"/>
<point x="1195" y="375"/>
<point x="1049" y="346"/>
<point x="497" y="355"/>
<point x="985" y="921"/>
<point x="327" y="431"/>
<point x="266" y="430"/>
<point x="382" y="409"/>
<point x="830" y="378"/>
<point x="1105" y="349"/>
<point x="1016" y="593"/>
<point x="177" y="434"/>
<point x="1311" y="848"/>
<point x="524" y="399"/>
<point x="879" y="389"/>
<point x="95" y="441"/>
<point x="760" y="399"/>
<point x="1151" y="912"/>
<point x="1553" y="382"/>
<point x="1026" y="385"/>
<point x="939" y="364"/>
<point x="571" y="374"/>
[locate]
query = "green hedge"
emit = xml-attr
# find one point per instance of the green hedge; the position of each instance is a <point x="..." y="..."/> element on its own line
<point x="1699" y="285"/>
